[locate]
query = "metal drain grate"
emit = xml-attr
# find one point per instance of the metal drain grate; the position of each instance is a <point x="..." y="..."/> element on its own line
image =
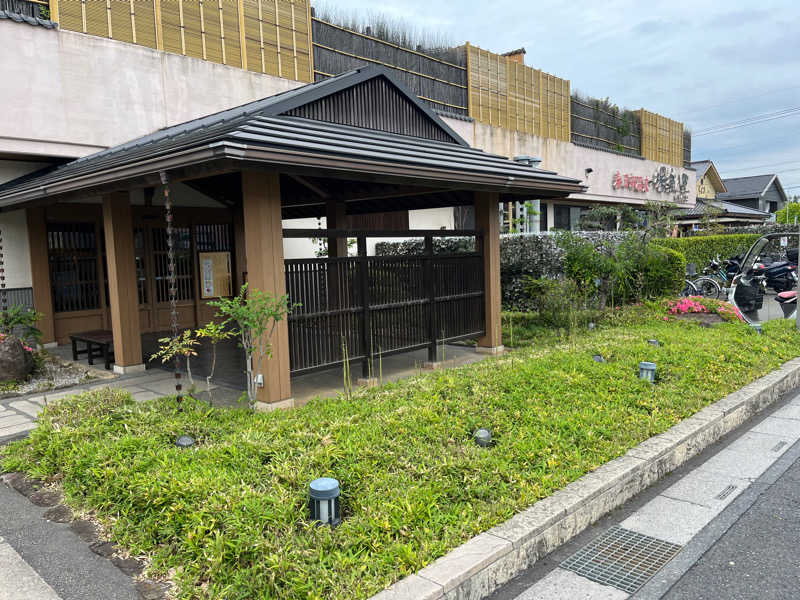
<point x="779" y="446"/>
<point x="621" y="558"/>
<point x="726" y="492"/>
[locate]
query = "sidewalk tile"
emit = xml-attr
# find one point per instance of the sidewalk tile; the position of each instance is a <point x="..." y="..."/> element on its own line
<point x="11" y="420"/>
<point x="669" y="520"/>
<point x="561" y="584"/>
<point x="29" y="408"/>
<point x="786" y="428"/>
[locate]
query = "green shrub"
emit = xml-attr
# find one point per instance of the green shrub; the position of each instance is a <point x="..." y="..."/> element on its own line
<point x="701" y="249"/>
<point x="558" y="303"/>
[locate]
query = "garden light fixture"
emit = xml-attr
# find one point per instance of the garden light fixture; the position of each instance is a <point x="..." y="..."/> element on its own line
<point x="647" y="371"/>
<point x="184" y="441"/>
<point x="598" y="358"/>
<point x="654" y="343"/>
<point x="324" y="501"/>
<point x="757" y="328"/>
<point x="482" y="437"/>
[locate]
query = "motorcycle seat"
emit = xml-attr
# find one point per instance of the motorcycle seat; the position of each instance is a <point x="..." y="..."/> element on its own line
<point x="788" y="295"/>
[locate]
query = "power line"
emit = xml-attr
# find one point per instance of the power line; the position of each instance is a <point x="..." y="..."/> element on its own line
<point x="788" y="112"/>
<point x="709" y="108"/>
<point x="788" y="162"/>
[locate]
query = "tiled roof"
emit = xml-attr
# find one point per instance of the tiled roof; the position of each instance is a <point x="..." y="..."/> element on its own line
<point x="720" y="208"/>
<point x="35" y="21"/>
<point x="700" y="166"/>
<point x="745" y="187"/>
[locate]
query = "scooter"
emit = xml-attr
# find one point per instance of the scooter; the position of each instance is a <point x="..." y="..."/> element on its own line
<point x="780" y="275"/>
<point x="788" y="302"/>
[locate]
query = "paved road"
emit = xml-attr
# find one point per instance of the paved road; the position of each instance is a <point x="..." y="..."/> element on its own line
<point x="731" y="517"/>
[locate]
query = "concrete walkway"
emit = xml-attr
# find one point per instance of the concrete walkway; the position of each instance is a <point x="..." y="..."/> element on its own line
<point x="17" y="415"/>
<point x="645" y="549"/>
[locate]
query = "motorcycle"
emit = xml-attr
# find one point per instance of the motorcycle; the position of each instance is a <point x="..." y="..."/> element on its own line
<point x="788" y="303"/>
<point x="779" y="275"/>
<point x="766" y="265"/>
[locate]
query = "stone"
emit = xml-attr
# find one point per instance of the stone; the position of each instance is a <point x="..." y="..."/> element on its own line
<point x="460" y="564"/>
<point x="129" y="566"/>
<point x="150" y="590"/>
<point x="22" y="484"/>
<point x="105" y="549"/>
<point x="16" y="363"/>
<point x="412" y="586"/>
<point x="45" y="498"/>
<point x="59" y="514"/>
<point x="84" y="530"/>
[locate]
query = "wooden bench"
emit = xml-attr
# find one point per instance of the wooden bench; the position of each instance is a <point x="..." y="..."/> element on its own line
<point x="99" y="343"/>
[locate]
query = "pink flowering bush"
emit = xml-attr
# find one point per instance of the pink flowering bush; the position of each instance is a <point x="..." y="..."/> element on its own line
<point x="698" y="304"/>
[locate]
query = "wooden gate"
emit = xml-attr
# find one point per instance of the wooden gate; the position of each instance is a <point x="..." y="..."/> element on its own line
<point x="362" y="307"/>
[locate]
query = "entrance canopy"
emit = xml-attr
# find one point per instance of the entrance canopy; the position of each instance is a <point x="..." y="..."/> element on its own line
<point x="362" y="126"/>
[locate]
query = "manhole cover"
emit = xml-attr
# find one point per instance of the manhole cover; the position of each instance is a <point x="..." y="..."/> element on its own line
<point x="621" y="558"/>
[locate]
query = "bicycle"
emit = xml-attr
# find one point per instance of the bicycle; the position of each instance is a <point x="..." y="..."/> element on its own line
<point x="715" y="278"/>
<point x="689" y="289"/>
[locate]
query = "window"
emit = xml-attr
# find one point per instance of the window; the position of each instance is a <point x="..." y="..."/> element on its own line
<point x="72" y="254"/>
<point x="184" y="285"/>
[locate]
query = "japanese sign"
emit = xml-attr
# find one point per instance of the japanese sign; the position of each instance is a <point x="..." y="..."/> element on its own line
<point x="661" y="182"/>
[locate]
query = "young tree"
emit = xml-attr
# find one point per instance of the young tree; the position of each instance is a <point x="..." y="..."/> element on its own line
<point x="257" y="314"/>
<point x="215" y="333"/>
<point x="182" y="345"/>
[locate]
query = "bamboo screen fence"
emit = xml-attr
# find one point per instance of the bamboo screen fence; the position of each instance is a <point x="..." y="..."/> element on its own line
<point x="508" y="94"/>
<point x="265" y="36"/>
<point x="662" y="138"/>
<point x="439" y="81"/>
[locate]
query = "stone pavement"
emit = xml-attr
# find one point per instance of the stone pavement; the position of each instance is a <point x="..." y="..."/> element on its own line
<point x="17" y="415"/>
<point x="728" y="520"/>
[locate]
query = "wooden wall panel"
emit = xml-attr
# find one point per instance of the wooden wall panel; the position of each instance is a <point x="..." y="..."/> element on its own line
<point x="275" y="38"/>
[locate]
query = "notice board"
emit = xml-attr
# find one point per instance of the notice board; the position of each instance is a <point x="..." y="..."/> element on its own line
<point x="215" y="274"/>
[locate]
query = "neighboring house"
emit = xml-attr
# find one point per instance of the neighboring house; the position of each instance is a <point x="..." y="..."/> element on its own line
<point x="709" y="183"/>
<point x="759" y="192"/>
<point x="719" y="212"/>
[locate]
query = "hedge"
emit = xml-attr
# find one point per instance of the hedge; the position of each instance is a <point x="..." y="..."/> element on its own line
<point x="701" y="249"/>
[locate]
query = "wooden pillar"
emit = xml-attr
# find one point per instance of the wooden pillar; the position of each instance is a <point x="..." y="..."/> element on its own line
<point x="122" y="293"/>
<point x="335" y="218"/>
<point x="40" y="273"/>
<point x="241" y="257"/>
<point x="487" y="221"/>
<point x="261" y="204"/>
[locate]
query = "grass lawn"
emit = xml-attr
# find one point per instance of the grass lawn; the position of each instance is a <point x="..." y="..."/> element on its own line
<point x="228" y="519"/>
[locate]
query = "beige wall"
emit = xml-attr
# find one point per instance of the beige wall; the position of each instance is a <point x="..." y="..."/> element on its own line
<point x="69" y="94"/>
<point x="705" y="188"/>
<point x="572" y="160"/>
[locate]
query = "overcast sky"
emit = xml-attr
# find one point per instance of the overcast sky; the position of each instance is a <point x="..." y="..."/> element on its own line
<point x="705" y="63"/>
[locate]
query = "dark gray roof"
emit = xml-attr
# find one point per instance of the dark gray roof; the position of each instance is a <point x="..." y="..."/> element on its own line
<point x="720" y="208"/>
<point x="20" y="18"/>
<point x="700" y="166"/>
<point x="261" y="132"/>
<point x="745" y="187"/>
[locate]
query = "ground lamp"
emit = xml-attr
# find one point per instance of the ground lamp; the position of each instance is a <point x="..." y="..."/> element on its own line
<point x="184" y="441"/>
<point x="323" y="501"/>
<point x="757" y="328"/>
<point x="482" y="437"/>
<point x="598" y="358"/>
<point x="647" y="371"/>
<point x="653" y="343"/>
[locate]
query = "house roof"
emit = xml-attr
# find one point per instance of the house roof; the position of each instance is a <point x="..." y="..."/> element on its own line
<point x="703" y="167"/>
<point x="720" y="209"/>
<point x="308" y="128"/>
<point x="740" y="188"/>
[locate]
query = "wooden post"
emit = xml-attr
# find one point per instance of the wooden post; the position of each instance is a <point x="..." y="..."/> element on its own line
<point x="40" y="273"/>
<point x="122" y="293"/>
<point x="488" y="223"/>
<point x="261" y="205"/>
<point x="54" y="11"/>
<point x="335" y="218"/>
<point x="242" y="36"/>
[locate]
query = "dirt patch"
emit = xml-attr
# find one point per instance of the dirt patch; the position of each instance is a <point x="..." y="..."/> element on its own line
<point x="54" y="374"/>
<point x="703" y="319"/>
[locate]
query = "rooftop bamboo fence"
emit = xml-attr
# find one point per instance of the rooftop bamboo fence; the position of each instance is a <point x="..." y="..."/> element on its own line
<point x="439" y="81"/>
<point x="265" y="36"/>
<point x="662" y="138"/>
<point x="505" y="93"/>
<point x="600" y="124"/>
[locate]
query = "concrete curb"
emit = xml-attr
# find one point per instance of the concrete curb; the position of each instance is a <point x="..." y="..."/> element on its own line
<point x="481" y="565"/>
